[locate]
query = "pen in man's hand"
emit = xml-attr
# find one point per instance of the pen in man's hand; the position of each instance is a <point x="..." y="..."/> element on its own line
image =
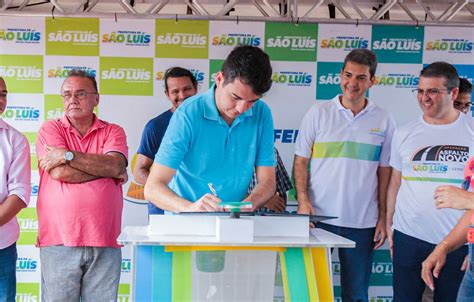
<point x="211" y="187"/>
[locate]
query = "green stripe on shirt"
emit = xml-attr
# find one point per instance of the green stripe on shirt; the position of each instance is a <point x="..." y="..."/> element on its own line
<point x="347" y="149"/>
<point x="432" y="179"/>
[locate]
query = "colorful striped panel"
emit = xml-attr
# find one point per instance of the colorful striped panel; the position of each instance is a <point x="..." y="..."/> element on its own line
<point x="181" y="279"/>
<point x="295" y="275"/>
<point x="323" y="276"/>
<point x="310" y="275"/>
<point x="432" y="179"/>
<point x="161" y="268"/>
<point x="347" y="149"/>
<point x="223" y="248"/>
<point x="284" y="276"/>
<point x="143" y="273"/>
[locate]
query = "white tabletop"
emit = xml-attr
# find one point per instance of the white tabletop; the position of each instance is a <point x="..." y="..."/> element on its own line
<point x="138" y="235"/>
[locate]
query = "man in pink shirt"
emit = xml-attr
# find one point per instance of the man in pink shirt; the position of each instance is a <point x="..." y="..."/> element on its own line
<point x="14" y="195"/>
<point x="82" y="165"/>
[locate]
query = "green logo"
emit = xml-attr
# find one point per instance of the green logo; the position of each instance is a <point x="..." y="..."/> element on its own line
<point x="404" y="45"/>
<point x="288" y="42"/>
<point x="382" y="269"/>
<point x="328" y="80"/>
<point x="27" y="292"/>
<point x="398" y="80"/>
<point x="31" y="137"/>
<point x="28" y="221"/>
<point x="126" y="76"/>
<point x="185" y="39"/>
<point x="127" y="37"/>
<point x="20" y="35"/>
<point x="234" y="39"/>
<point x="23" y="74"/>
<point x="214" y="67"/>
<point x="72" y="36"/>
<point x="123" y="293"/>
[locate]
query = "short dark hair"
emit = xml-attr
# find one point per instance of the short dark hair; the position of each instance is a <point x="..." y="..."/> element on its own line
<point x="442" y="70"/>
<point x="251" y="65"/>
<point x="465" y="86"/>
<point x="362" y="56"/>
<point x="178" y="72"/>
<point x="82" y="74"/>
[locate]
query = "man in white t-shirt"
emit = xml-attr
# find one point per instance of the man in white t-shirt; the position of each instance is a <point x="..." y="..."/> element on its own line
<point x="347" y="142"/>
<point x="426" y="153"/>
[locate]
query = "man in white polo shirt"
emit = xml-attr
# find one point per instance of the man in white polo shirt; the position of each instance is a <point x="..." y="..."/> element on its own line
<point x="426" y="153"/>
<point x="347" y="142"/>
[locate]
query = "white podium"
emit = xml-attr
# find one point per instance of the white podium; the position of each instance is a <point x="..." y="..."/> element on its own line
<point x="206" y="258"/>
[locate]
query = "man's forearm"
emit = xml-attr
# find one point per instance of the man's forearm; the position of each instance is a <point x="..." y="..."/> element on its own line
<point x="141" y="175"/>
<point x="261" y="194"/>
<point x="99" y="165"/>
<point x="69" y="174"/>
<point x="392" y="193"/>
<point x="164" y="198"/>
<point x="141" y="171"/>
<point x="457" y="237"/>
<point x="10" y="207"/>
<point x="383" y="176"/>
<point x="300" y="176"/>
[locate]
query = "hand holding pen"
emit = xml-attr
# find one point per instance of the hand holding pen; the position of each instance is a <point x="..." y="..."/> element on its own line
<point x="207" y="203"/>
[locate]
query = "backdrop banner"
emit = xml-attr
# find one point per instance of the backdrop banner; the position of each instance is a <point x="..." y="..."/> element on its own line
<point x="129" y="58"/>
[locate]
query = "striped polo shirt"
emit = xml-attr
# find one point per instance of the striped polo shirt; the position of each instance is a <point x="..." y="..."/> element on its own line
<point x="345" y="152"/>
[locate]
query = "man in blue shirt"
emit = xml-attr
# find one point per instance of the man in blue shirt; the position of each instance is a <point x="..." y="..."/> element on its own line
<point x="219" y="137"/>
<point x="179" y="85"/>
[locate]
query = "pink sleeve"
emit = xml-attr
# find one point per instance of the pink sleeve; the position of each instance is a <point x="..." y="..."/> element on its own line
<point x="116" y="141"/>
<point x="50" y="134"/>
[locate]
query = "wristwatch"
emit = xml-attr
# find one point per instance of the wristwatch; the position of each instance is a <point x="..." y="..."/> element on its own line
<point x="68" y="156"/>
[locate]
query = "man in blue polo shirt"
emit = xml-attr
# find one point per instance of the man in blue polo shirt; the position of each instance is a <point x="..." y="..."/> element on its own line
<point x="219" y="137"/>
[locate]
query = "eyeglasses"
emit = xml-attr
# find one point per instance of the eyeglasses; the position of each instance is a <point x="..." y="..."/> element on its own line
<point x="80" y="95"/>
<point x="432" y="92"/>
<point x="463" y="107"/>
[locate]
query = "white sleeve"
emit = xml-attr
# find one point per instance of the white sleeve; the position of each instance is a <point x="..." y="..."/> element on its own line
<point x="395" y="158"/>
<point x="19" y="172"/>
<point x="386" y="145"/>
<point x="307" y="133"/>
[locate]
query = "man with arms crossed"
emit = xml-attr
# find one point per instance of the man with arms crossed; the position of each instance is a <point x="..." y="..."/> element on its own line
<point x="219" y="137"/>
<point x="14" y="195"/>
<point x="426" y="153"/>
<point x="347" y="142"/>
<point x="180" y="84"/>
<point x="82" y="162"/>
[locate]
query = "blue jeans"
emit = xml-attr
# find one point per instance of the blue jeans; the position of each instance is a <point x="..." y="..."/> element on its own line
<point x="73" y="274"/>
<point x="356" y="263"/>
<point x="408" y="254"/>
<point x="8" y="258"/>
<point x="466" y="290"/>
<point x="152" y="209"/>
